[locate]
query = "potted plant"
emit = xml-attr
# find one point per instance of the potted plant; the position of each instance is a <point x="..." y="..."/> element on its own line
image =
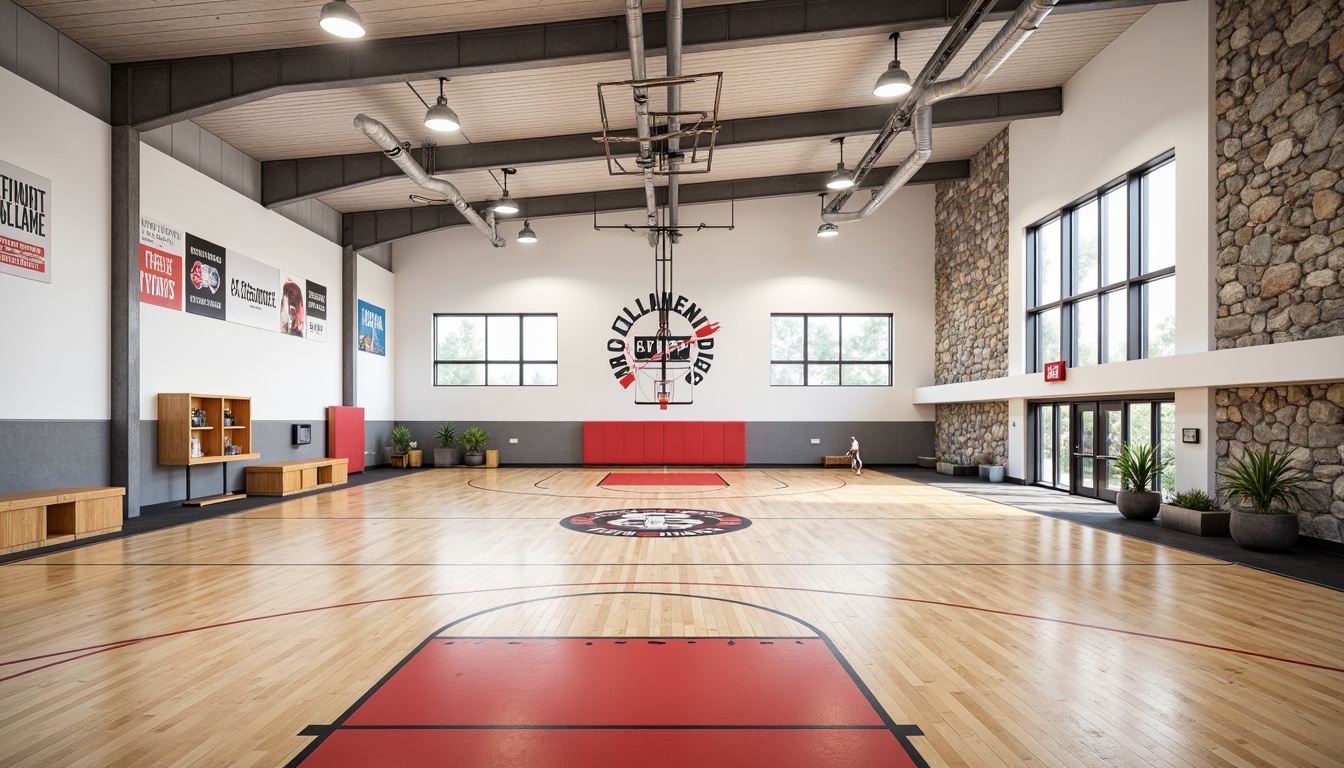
<point x="951" y="465"/>
<point x="473" y="441"/>
<point x="401" y="439"/>
<point x="1139" y="467"/>
<point x="1194" y="511"/>
<point x="446" y="455"/>
<point x="1261" y="480"/>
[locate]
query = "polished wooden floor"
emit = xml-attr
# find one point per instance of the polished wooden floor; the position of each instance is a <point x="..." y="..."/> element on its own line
<point x="1007" y="638"/>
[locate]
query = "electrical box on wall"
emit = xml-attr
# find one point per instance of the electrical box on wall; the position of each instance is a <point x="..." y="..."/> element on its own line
<point x="302" y="434"/>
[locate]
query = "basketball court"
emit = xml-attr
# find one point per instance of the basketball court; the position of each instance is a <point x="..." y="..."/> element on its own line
<point x="449" y="617"/>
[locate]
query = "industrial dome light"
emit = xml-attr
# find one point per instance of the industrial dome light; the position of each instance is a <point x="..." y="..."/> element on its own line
<point x="341" y="20"/>
<point x="527" y="235"/>
<point x="505" y="204"/>
<point x="828" y="230"/>
<point x="441" y="117"/>
<point x="842" y="178"/>
<point x="895" y="82"/>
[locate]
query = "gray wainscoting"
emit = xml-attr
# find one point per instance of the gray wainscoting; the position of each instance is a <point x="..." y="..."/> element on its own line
<point x="539" y="442"/>
<point x="41" y="455"/>
<point x="378" y="442"/>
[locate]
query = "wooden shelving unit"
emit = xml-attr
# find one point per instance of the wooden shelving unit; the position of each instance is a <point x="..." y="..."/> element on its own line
<point x="176" y="432"/>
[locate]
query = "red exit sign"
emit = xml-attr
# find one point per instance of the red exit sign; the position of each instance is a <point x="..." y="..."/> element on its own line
<point x="1055" y="371"/>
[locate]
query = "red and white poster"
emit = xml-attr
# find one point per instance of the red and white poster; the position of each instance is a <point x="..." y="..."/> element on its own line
<point x="293" y="306"/>
<point x="25" y="224"/>
<point x="160" y="265"/>
<point x="1055" y="371"/>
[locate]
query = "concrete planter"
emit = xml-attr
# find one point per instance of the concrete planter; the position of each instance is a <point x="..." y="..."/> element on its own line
<point x="1138" y="505"/>
<point x="1213" y="522"/>
<point x="473" y="459"/>
<point x="927" y="462"/>
<point x="447" y="457"/>
<point x="994" y="473"/>
<point x="956" y="470"/>
<point x="1264" y="533"/>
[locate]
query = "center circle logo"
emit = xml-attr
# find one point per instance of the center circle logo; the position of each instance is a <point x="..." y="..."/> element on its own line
<point x="655" y="522"/>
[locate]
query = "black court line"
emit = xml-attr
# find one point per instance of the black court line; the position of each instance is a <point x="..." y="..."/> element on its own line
<point x="1220" y="564"/>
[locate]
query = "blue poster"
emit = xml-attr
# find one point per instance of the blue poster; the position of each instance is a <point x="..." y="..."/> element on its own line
<point x="372" y="329"/>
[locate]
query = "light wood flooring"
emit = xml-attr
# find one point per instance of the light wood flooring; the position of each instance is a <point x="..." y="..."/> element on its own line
<point x="1007" y="638"/>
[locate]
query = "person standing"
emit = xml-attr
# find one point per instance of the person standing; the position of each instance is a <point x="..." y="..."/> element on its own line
<point x="855" y="463"/>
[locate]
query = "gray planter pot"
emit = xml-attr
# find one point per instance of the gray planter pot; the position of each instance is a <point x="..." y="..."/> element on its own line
<point x="1138" y="505"/>
<point x="956" y="470"/>
<point x="1214" y="522"/>
<point x="926" y="462"/>
<point x="996" y="473"/>
<point x="1264" y="533"/>
<point x="473" y="459"/>
<point x="447" y="457"/>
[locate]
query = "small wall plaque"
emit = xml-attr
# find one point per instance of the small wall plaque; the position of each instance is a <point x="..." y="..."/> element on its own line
<point x="1055" y="371"/>
<point x="302" y="433"/>
<point x="1189" y="435"/>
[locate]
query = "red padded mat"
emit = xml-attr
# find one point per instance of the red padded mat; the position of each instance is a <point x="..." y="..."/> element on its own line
<point x="662" y="478"/>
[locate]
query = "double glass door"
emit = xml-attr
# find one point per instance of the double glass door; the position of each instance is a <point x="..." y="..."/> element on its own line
<point x="1077" y="443"/>
<point x="1096" y="445"/>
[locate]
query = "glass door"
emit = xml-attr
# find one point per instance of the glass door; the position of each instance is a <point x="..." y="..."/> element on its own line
<point x="1110" y="438"/>
<point x="1085" y="449"/>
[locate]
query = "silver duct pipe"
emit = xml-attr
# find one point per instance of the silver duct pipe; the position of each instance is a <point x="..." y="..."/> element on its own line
<point x="391" y="147"/>
<point x="674" y="22"/>
<point x="1016" y="30"/>
<point x="634" y="24"/>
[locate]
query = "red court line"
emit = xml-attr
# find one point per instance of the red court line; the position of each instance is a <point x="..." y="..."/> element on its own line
<point x="801" y="491"/>
<point x="662" y="478"/>
<point x="909" y="600"/>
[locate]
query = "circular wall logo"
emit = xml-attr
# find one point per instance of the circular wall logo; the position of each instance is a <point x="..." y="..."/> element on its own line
<point x="655" y="522"/>
<point x="663" y="349"/>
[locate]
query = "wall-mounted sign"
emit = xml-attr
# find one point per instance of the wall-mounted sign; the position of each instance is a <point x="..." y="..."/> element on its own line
<point x="161" y="277"/>
<point x="372" y="328"/>
<point x="293" y="305"/>
<point x="205" y="289"/>
<point x="254" y="298"/>
<point x="661" y="368"/>
<point x="1055" y="371"/>
<point x="1190" y="435"/>
<point x="316" y="308"/>
<point x="25" y="223"/>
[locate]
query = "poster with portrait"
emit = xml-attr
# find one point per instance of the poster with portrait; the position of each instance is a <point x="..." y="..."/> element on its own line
<point x="316" y="310"/>
<point x="25" y="224"/>
<point x="372" y="328"/>
<point x="204" y="289"/>
<point x="293" y="305"/>
<point x="161" y="278"/>
<point x="254" y="293"/>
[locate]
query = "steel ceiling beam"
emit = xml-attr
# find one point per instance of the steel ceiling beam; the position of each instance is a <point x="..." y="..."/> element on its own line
<point x="369" y="228"/>
<point x="288" y="181"/>
<point x="150" y="94"/>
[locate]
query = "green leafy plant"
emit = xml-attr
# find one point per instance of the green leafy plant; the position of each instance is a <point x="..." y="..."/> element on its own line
<point x="473" y="439"/>
<point x="1139" y="467"/>
<point x="447" y="435"/>
<point x="950" y="460"/>
<point x="401" y="439"/>
<point x="1193" y="499"/>
<point x="1262" y="479"/>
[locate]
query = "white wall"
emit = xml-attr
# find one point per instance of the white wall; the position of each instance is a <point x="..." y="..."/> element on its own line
<point x="772" y="262"/>
<point x="287" y="377"/>
<point x="54" y="351"/>
<point x="373" y="387"/>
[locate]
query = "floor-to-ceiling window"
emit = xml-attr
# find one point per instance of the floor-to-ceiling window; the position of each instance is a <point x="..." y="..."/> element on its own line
<point x="1075" y="443"/>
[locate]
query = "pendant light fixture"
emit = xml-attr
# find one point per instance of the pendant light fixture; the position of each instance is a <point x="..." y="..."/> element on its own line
<point x="441" y="117"/>
<point x="341" y="20"/>
<point x="842" y="178"/>
<point x="895" y="82"/>
<point x="506" y="205"/>
<point x="828" y="229"/>
<point x="527" y="235"/>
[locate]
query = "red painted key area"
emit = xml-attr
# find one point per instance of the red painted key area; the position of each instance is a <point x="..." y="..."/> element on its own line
<point x="662" y="478"/>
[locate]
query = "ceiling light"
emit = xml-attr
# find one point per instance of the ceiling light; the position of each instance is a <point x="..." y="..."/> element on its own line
<point x="828" y="230"/>
<point x="506" y="205"/>
<point x="441" y="117"/>
<point x="341" y="20"/>
<point x="527" y="235"/>
<point x="842" y="178"/>
<point x="895" y="82"/>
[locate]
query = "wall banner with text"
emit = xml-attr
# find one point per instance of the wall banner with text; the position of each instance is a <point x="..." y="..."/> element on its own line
<point x="316" y="308"/>
<point x="25" y="223"/>
<point x="254" y="296"/>
<point x="205" y="289"/>
<point x="372" y="328"/>
<point x="161" y="279"/>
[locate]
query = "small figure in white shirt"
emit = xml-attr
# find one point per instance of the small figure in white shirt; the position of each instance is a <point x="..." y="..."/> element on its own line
<point x="855" y="463"/>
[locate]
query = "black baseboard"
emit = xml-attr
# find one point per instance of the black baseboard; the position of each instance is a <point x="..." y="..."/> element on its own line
<point x="1321" y="545"/>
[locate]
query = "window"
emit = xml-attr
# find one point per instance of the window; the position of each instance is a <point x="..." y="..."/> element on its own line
<point x="495" y="350"/>
<point x="830" y="350"/>
<point x="1101" y="273"/>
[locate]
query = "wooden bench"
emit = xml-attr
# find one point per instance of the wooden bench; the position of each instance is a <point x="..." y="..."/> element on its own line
<point x="835" y="461"/>
<point x="287" y="477"/>
<point x="43" y="518"/>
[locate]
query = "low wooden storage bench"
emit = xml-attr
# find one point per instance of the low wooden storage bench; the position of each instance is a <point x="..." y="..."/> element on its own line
<point x="42" y="518"/>
<point x="287" y="477"/>
<point x="835" y="461"/>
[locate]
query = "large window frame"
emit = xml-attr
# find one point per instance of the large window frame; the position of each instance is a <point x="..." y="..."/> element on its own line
<point x="486" y="361"/>
<point x="809" y="360"/>
<point x="1134" y="287"/>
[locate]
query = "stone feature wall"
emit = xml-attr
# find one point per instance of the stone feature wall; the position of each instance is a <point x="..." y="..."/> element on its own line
<point x="971" y="270"/>
<point x="1280" y="152"/>
<point x="964" y="430"/>
<point x="1305" y="422"/>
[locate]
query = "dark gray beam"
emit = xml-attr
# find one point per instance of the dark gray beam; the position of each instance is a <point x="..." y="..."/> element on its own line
<point x="151" y="94"/>
<point x="287" y="181"/>
<point x="349" y="327"/>
<point x="369" y="228"/>
<point x="125" y="316"/>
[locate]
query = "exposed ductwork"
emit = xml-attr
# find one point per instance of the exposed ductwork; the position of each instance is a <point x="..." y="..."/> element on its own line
<point x="674" y="18"/>
<point x="391" y="147"/>
<point x="1016" y="30"/>
<point x="634" y="24"/>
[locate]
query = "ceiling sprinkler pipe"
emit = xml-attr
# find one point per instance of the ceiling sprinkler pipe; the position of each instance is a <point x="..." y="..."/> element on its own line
<point x="1015" y="31"/>
<point x="674" y="26"/>
<point x="634" y="24"/>
<point x="391" y="146"/>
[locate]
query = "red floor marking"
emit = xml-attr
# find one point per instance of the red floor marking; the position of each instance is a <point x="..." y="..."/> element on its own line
<point x="663" y="478"/>
<point x="602" y="703"/>
<point x="583" y="748"/>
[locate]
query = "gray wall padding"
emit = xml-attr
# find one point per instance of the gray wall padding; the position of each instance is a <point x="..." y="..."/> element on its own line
<point x="45" y="455"/>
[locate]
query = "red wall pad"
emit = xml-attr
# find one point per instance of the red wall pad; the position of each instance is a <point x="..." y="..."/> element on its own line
<point x="601" y="703"/>
<point x="345" y="435"/>
<point x="665" y="442"/>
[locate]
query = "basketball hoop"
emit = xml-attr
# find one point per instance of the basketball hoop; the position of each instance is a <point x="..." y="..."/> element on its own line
<point x="695" y="129"/>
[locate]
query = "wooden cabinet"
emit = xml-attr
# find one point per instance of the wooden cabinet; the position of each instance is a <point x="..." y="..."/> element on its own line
<point x="186" y="419"/>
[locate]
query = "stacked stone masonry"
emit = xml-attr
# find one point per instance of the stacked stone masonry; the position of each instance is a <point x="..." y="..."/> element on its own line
<point x="964" y="431"/>
<point x="1280" y="153"/>
<point x="971" y="270"/>
<point x="1305" y="422"/>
